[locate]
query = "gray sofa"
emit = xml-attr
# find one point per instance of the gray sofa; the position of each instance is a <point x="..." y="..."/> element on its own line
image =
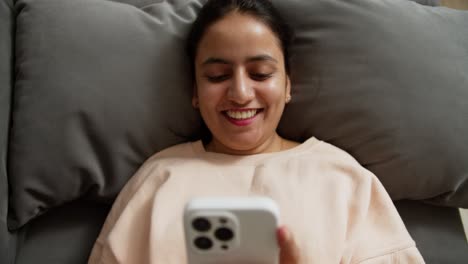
<point x="90" y="88"/>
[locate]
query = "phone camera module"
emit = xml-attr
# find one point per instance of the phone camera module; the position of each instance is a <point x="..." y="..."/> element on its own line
<point x="201" y="224"/>
<point x="203" y="243"/>
<point x="224" y="234"/>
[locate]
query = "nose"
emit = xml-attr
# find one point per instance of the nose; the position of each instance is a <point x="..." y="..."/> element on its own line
<point x="241" y="90"/>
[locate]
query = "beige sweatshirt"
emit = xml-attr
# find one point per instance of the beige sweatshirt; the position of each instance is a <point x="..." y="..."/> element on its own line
<point x="337" y="210"/>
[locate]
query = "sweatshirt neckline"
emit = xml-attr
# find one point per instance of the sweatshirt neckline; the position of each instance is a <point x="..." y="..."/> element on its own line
<point x="201" y="152"/>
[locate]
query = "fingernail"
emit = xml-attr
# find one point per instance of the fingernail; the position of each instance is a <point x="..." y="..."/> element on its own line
<point x="283" y="232"/>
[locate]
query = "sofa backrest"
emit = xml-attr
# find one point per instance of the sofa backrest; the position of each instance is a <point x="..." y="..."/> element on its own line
<point x="6" y="83"/>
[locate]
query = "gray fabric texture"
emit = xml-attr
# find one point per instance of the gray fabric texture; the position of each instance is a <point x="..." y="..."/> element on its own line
<point x="6" y="79"/>
<point x="65" y="234"/>
<point x="428" y="2"/>
<point x="437" y="231"/>
<point x="104" y="85"/>
<point x="387" y="81"/>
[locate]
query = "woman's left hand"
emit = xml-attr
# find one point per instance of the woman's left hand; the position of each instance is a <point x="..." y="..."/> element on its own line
<point x="289" y="253"/>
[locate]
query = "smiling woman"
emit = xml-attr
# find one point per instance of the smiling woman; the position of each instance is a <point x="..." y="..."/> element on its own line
<point x="241" y="85"/>
<point x="332" y="209"/>
<point x="240" y="65"/>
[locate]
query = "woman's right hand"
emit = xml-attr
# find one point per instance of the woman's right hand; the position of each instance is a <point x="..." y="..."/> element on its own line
<point x="289" y="253"/>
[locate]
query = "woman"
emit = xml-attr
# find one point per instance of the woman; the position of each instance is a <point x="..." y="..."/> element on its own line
<point x="333" y="210"/>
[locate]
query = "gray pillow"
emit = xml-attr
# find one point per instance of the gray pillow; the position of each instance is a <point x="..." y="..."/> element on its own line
<point x="103" y="85"/>
<point x="428" y="2"/>
<point x="100" y="87"/>
<point x="388" y="82"/>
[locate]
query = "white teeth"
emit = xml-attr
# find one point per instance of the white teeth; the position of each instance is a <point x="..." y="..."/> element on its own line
<point x="241" y="114"/>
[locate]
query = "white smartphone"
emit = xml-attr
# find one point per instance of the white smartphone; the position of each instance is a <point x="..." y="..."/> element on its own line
<point x="231" y="230"/>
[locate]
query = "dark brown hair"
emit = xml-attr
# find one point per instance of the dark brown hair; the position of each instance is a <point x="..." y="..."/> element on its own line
<point x="263" y="10"/>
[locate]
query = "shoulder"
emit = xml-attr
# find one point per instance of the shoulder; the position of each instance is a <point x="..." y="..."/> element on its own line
<point x="176" y="151"/>
<point x="182" y="151"/>
<point x="152" y="163"/>
<point x="334" y="154"/>
<point x="152" y="168"/>
<point x="316" y="148"/>
<point x="340" y="171"/>
<point x="330" y="157"/>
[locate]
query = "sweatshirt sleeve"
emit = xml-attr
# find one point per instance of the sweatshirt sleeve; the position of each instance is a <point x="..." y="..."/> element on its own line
<point x="403" y="256"/>
<point x="379" y="235"/>
<point x="126" y="222"/>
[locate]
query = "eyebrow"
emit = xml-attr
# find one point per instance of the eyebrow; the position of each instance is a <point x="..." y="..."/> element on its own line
<point x="212" y="60"/>
<point x="262" y="57"/>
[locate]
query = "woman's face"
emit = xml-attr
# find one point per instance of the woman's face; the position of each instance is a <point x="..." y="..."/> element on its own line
<point x="241" y="84"/>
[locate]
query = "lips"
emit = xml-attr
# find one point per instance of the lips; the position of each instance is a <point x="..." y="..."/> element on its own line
<point x="242" y="117"/>
<point x="239" y="115"/>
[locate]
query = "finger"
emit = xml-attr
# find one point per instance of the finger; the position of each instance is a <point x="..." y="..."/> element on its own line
<point x="289" y="253"/>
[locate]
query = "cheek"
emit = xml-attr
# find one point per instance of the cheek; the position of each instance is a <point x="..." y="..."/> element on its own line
<point x="209" y="95"/>
<point x="274" y="91"/>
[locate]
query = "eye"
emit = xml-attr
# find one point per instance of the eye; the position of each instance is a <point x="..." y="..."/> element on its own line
<point x="260" y="76"/>
<point x="217" y="78"/>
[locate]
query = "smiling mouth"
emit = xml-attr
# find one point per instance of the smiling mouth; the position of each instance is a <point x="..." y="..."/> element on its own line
<point x="242" y="114"/>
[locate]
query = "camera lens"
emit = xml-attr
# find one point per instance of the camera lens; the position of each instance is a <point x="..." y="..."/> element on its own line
<point x="203" y="243"/>
<point x="224" y="234"/>
<point x="201" y="224"/>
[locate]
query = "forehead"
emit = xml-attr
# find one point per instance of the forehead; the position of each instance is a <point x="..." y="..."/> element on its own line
<point x="238" y="36"/>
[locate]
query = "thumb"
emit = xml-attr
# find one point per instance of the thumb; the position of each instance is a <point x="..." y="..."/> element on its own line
<point x="289" y="253"/>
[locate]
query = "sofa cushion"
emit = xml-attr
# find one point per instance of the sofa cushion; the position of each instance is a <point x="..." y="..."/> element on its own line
<point x="437" y="231"/>
<point x="102" y="85"/>
<point x="388" y="82"/>
<point x="428" y="2"/>
<point x="7" y="19"/>
<point x="66" y="234"/>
